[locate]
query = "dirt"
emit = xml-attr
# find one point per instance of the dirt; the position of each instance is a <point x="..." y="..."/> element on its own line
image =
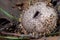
<point x="49" y="38"/>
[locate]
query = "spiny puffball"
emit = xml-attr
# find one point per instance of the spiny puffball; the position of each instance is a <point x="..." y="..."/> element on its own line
<point x="39" y="18"/>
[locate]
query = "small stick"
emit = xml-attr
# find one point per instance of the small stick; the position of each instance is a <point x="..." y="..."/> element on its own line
<point x="17" y="35"/>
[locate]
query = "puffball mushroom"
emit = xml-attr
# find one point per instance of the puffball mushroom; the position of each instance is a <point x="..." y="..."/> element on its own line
<point x="39" y="18"/>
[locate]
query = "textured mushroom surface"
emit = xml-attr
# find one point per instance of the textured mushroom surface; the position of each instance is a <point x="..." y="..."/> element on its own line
<point x="39" y="18"/>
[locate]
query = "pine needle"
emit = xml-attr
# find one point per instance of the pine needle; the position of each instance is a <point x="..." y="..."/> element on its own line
<point x="7" y="14"/>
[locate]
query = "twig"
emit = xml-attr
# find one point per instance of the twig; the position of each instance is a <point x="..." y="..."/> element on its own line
<point x="17" y="35"/>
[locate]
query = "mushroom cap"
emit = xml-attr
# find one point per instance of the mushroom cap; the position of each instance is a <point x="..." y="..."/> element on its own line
<point x="39" y="18"/>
